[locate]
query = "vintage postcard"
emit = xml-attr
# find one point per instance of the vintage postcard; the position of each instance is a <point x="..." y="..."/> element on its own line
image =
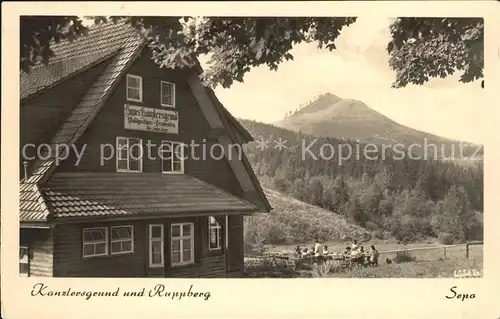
<point x="173" y="161"/>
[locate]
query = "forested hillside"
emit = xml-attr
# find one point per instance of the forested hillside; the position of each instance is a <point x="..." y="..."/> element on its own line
<point x="388" y="194"/>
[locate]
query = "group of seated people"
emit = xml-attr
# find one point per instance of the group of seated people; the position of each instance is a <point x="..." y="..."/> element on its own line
<point x="317" y="250"/>
<point x="353" y="252"/>
<point x="299" y="252"/>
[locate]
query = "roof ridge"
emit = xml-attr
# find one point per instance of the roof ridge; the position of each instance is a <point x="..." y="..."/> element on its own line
<point x="91" y="31"/>
<point x="72" y="74"/>
<point x="76" y="54"/>
<point x="108" y="23"/>
<point x="41" y="200"/>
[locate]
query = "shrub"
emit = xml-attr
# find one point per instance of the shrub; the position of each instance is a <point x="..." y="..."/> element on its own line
<point x="446" y="238"/>
<point x="412" y="229"/>
<point x="347" y="238"/>
<point x="379" y="234"/>
<point x="371" y="226"/>
<point x="248" y="248"/>
<point x="475" y="229"/>
<point x="404" y="256"/>
<point x="326" y="268"/>
<point x="367" y="237"/>
<point x="268" y="263"/>
<point x="280" y="184"/>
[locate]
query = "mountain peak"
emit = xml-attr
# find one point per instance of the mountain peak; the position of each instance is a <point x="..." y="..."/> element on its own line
<point x="327" y="95"/>
<point x="331" y="116"/>
<point x="322" y="101"/>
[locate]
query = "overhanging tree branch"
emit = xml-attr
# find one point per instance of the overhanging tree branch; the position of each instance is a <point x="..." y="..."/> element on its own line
<point x="420" y="48"/>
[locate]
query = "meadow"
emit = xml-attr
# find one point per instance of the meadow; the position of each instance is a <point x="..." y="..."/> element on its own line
<point x="295" y="223"/>
<point x="430" y="260"/>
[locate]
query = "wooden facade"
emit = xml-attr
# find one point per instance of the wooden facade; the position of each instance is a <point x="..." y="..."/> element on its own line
<point x="68" y="260"/>
<point x="74" y="229"/>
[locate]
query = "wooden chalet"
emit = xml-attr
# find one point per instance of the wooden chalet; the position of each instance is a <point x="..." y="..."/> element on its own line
<point x="127" y="215"/>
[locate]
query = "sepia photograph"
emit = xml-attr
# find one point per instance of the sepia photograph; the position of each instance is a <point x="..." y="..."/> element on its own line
<point x="251" y="147"/>
<point x="245" y="160"/>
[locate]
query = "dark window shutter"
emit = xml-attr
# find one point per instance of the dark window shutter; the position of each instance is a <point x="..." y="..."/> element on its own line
<point x="167" y="246"/>
<point x="203" y="221"/>
<point x="198" y="239"/>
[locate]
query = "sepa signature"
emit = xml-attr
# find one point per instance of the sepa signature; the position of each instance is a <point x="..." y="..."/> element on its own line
<point x="467" y="273"/>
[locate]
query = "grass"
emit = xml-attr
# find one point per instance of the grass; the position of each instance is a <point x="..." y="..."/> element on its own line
<point x="425" y="264"/>
<point x="382" y="247"/>
<point x="293" y="223"/>
<point x="417" y="269"/>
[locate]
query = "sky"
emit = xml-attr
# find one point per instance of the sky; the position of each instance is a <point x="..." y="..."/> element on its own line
<point x="358" y="69"/>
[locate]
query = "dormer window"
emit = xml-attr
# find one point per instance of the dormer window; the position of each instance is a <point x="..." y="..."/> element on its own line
<point x="167" y="94"/>
<point x="134" y="88"/>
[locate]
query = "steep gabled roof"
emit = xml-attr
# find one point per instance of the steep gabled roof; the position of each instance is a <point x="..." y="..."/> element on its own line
<point x="124" y="45"/>
<point x="232" y="120"/>
<point x="229" y="119"/>
<point x="121" y="45"/>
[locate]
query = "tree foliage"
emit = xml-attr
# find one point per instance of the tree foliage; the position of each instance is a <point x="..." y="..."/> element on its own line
<point x="37" y="33"/>
<point x="421" y="48"/>
<point x="408" y="199"/>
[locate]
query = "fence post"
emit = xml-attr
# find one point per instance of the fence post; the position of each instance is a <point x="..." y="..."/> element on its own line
<point x="444" y="249"/>
<point x="467" y="250"/>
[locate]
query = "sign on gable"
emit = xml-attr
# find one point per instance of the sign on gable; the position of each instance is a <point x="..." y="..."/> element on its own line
<point x="141" y="118"/>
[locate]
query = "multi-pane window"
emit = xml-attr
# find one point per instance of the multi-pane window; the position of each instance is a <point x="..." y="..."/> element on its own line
<point x="24" y="261"/>
<point x="95" y="241"/>
<point x="172" y="157"/>
<point x="167" y="94"/>
<point x="156" y="257"/>
<point x="129" y="154"/>
<point x="214" y="233"/>
<point x="134" y="88"/>
<point x="122" y="239"/>
<point x="182" y="239"/>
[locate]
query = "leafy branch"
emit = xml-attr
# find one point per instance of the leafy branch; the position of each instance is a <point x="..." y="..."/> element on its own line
<point x="420" y="48"/>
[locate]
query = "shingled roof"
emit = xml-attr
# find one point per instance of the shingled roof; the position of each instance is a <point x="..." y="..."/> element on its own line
<point x="77" y="56"/>
<point x="72" y="195"/>
<point x="118" y="44"/>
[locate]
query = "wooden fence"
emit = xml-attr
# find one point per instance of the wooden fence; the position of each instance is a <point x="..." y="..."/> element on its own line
<point x="467" y="246"/>
<point x="270" y="260"/>
<point x="445" y="249"/>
